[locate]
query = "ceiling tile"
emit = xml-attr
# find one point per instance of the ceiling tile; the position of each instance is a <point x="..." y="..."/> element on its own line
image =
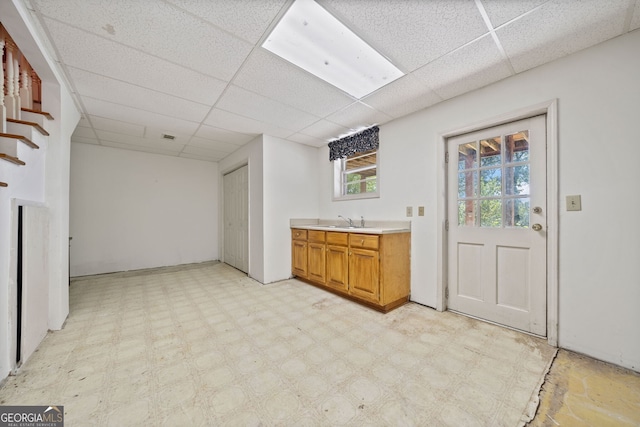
<point x="116" y="126"/>
<point x="129" y="65"/>
<point x="359" y="115"/>
<point x="258" y="107"/>
<point x="402" y="97"/>
<point x="157" y="30"/>
<point x="325" y="130"/>
<point x="501" y="11"/>
<point x="576" y="24"/>
<point x="201" y="157"/>
<point x="273" y="77"/>
<point x="217" y="134"/>
<point x="411" y="33"/>
<point x="93" y="141"/>
<point x="235" y="122"/>
<point x="108" y="110"/>
<point x="307" y="140"/>
<point x="143" y="148"/>
<point x="221" y="146"/>
<point x="475" y="65"/>
<point x="204" y="152"/>
<point x="247" y="19"/>
<point x="107" y="89"/>
<point x="156" y="143"/>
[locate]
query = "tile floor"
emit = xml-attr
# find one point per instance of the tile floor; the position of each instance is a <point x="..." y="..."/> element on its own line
<point x="205" y="345"/>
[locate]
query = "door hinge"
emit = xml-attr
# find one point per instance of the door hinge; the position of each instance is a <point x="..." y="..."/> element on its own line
<point x="446" y="157"/>
<point x="446" y="225"/>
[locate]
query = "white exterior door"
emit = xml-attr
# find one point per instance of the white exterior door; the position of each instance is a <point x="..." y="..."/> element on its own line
<point x="496" y="203"/>
<point x="236" y="218"/>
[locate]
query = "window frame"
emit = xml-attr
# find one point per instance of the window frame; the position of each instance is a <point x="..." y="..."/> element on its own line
<point x="338" y="180"/>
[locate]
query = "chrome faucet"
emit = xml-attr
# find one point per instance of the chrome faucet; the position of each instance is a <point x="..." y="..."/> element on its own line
<point x="349" y="220"/>
<point x="361" y="222"/>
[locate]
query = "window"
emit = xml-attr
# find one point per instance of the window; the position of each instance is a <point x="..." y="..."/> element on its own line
<point x="493" y="182"/>
<point x="356" y="176"/>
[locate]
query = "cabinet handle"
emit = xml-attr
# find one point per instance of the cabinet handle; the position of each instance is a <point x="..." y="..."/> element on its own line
<point x="362" y="242"/>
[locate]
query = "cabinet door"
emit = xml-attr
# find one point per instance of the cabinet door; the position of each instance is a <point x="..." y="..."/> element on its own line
<point x="364" y="268"/>
<point x="338" y="267"/>
<point x="299" y="258"/>
<point x="317" y="263"/>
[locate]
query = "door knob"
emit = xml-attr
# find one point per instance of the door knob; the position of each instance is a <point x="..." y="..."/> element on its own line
<point x="537" y="210"/>
<point x="536" y="227"/>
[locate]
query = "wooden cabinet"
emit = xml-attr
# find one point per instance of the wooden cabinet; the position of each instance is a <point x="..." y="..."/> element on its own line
<point x="369" y="268"/>
<point x="338" y="261"/>
<point x="317" y="260"/>
<point x="299" y="262"/>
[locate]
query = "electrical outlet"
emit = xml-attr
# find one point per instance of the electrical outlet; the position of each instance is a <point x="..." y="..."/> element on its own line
<point x="574" y="203"/>
<point x="420" y="210"/>
<point x="409" y="210"/>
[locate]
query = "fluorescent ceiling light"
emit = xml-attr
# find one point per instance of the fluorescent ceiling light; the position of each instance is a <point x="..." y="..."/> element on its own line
<point x="311" y="38"/>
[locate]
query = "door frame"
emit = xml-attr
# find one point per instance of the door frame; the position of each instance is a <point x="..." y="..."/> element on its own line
<point x="550" y="109"/>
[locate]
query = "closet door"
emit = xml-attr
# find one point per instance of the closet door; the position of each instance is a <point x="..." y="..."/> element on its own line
<point x="236" y="218"/>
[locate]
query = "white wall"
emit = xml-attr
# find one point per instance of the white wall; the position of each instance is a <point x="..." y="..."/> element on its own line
<point x="290" y="191"/>
<point x="131" y="210"/>
<point x="598" y="93"/>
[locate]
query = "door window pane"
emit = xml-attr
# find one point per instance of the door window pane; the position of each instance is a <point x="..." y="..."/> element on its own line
<point x="517" y="213"/>
<point x="516" y="180"/>
<point x="491" y="213"/>
<point x="467" y="156"/>
<point x="491" y="182"/>
<point x="517" y="147"/>
<point x="490" y="152"/>
<point x="467" y="213"/>
<point x="467" y="184"/>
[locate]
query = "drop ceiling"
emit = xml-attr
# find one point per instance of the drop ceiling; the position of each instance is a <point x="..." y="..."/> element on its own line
<point x="195" y="69"/>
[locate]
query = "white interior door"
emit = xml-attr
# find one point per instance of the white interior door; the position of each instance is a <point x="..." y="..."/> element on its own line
<point x="35" y="279"/>
<point x="497" y="229"/>
<point x="236" y="218"/>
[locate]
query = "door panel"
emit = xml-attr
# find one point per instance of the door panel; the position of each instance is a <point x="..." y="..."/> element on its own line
<point x="496" y="195"/>
<point x="236" y="218"/>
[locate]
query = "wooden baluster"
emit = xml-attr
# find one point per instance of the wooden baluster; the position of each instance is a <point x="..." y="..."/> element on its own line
<point x="3" y="110"/>
<point x="26" y="100"/>
<point x="16" y="84"/>
<point x="10" y="101"/>
<point x="36" y="92"/>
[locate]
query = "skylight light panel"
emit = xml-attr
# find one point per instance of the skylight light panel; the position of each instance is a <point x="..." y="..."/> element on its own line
<point x="311" y="38"/>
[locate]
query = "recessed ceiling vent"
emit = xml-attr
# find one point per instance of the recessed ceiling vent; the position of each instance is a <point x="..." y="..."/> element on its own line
<point x="167" y="136"/>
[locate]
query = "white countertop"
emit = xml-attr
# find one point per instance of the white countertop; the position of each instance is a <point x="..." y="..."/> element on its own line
<point x="371" y="227"/>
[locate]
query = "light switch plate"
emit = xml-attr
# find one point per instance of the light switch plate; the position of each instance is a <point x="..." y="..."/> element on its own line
<point x="420" y="210"/>
<point x="409" y="210"/>
<point x="574" y="203"/>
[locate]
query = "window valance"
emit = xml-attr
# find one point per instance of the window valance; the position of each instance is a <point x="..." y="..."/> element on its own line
<point x="357" y="143"/>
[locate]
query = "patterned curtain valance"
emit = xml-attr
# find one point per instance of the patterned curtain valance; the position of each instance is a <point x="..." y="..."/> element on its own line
<point x="362" y="141"/>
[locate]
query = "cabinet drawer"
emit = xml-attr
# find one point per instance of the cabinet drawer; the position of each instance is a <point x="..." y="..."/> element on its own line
<point x="366" y="241"/>
<point x="316" y="236"/>
<point x="297" y="234"/>
<point x="335" y="238"/>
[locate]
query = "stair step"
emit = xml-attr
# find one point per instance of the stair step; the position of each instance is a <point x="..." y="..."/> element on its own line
<point x="20" y="138"/>
<point x="35" y="125"/>
<point x="12" y="159"/>
<point x="43" y="113"/>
